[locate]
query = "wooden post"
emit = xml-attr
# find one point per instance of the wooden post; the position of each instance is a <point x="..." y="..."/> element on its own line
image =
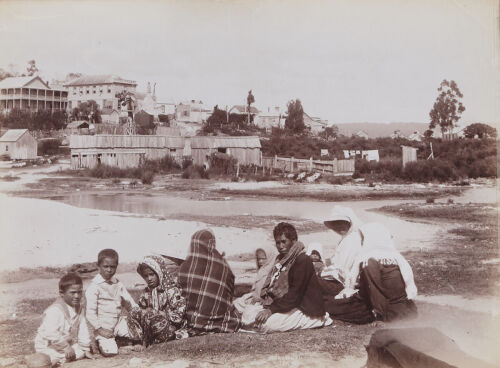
<point x="291" y="164"/>
<point x="311" y="164"/>
<point x="238" y="170"/>
<point x="335" y="165"/>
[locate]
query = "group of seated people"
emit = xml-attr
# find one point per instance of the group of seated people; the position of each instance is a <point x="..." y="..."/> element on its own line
<point x="366" y="280"/>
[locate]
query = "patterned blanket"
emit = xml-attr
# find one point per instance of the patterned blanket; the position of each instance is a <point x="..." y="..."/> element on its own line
<point x="207" y="284"/>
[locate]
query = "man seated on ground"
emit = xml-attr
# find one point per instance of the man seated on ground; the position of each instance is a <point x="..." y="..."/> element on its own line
<point x="288" y="296"/>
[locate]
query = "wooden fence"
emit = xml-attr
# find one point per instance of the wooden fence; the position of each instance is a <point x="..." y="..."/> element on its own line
<point x="291" y="164"/>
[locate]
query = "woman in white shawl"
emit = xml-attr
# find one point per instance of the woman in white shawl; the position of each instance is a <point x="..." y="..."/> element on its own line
<point x="373" y="280"/>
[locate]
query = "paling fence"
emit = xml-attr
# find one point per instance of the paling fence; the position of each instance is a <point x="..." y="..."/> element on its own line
<point x="291" y="164"/>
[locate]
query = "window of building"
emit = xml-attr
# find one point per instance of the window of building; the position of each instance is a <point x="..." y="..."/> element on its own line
<point x="172" y="150"/>
<point x="6" y="147"/>
<point x="221" y="150"/>
<point x="109" y="90"/>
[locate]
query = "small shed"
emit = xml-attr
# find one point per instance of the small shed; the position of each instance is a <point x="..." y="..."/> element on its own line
<point x="122" y="150"/>
<point x="77" y="127"/>
<point x="245" y="149"/>
<point x="409" y="154"/>
<point x="18" y="144"/>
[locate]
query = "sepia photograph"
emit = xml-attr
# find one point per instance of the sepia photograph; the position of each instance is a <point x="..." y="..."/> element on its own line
<point x="249" y="183"/>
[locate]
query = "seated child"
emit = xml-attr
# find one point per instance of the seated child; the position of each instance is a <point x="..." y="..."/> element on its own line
<point x="315" y="252"/>
<point x="162" y="313"/>
<point x="105" y="296"/>
<point x="260" y="258"/>
<point x="64" y="335"/>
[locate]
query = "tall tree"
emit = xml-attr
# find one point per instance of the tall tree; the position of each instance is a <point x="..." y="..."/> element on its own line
<point x="215" y="121"/>
<point x="295" y="120"/>
<point x="31" y="69"/>
<point x="5" y="74"/>
<point x="480" y="130"/>
<point x="329" y="132"/>
<point x="448" y="107"/>
<point x="250" y="101"/>
<point x="88" y="111"/>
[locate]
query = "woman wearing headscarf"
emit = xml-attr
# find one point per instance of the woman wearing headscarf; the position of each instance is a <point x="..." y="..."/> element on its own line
<point x="161" y="315"/>
<point x="208" y="285"/>
<point x="290" y="296"/>
<point x="368" y="278"/>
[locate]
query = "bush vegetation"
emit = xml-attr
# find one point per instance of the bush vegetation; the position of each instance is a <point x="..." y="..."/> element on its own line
<point x="453" y="160"/>
<point x="145" y="172"/>
<point x="49" y="146"/>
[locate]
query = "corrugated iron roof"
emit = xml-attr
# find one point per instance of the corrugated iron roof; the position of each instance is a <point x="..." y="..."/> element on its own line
<point x="225" y="142"/>
<point x="19" y="82"/>
<point x="243" y="109"/>
<point x="87" y="80"/>
<point x="12" y="135"/>
<point x="125" y="141"/>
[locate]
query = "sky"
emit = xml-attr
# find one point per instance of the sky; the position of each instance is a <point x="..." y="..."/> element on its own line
<point x="346" y="60"/>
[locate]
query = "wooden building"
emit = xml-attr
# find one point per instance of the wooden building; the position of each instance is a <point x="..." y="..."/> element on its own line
<point x="245" y="149"/>
<point x="124" y="151"/>
<point x="18" y="144"/>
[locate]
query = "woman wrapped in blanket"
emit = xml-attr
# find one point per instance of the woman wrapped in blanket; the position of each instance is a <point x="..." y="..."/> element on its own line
<point x="368" y="279"/>
<point x="208" y="286"/>
<point x="161" y="315"/>
<point x="287" y="295"/>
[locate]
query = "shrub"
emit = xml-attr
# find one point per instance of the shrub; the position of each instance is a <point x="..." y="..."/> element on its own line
<point x="222" y="164"/>
<point x="195" y="172"/>
<point x="429" y="170"/>
<point x="186" y="162"/>
<point x="48" y="146"/>
<point x="147" y="177"/>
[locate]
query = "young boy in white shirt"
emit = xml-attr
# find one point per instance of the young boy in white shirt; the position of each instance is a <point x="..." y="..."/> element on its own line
<point x="64" y="335"/>
<point x="104" y="297"/>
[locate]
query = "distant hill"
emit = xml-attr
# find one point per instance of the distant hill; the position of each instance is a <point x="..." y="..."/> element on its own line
<point x="376" y="130"/>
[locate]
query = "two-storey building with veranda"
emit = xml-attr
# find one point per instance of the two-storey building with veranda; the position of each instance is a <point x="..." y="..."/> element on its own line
<point x="100" y="88"/>
<point x="31" y="93"/>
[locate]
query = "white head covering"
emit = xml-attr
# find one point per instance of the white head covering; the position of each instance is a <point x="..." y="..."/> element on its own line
<point x="318" y="247"/>
<point x="377" y="243"/>
<point x="348" y="249"/>
<point x="358" y="245"/>
<point x="341" y="213"/>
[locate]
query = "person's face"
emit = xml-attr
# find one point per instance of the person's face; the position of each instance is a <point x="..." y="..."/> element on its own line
<point x="315" y="257"/>
<point x="283" y="244"/>
<point x="107" y="268"/>
<point x="261" y="260"/>
<point x="73" y="295"/>
<point x="150" y="277"/>
<point x="341" y="227"/>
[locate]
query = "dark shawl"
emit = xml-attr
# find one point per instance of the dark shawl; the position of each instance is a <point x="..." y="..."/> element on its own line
<point x="207" y="284"/>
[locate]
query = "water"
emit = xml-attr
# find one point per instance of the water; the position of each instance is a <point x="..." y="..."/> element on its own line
<point x="408" y="235"/>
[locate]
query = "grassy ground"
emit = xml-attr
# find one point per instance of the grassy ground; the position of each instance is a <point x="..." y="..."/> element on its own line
<point x="461" y="264"/>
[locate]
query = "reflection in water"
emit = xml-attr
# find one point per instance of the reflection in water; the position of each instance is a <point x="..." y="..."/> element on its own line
<point x="406" y="234"/>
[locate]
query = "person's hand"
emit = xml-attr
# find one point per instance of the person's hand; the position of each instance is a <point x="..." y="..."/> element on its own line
<point x="69" y="353"/>
<point x="256" y="299"/>
<point x="104" y="332"/>
<point x="262" y="317"/>
<point x="89" y="355"/>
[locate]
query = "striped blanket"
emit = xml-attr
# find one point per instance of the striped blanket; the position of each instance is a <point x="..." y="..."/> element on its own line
<point x="207" y="284"/>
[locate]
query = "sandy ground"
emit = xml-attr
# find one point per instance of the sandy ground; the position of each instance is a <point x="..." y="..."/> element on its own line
<point x="42" y="233"/>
